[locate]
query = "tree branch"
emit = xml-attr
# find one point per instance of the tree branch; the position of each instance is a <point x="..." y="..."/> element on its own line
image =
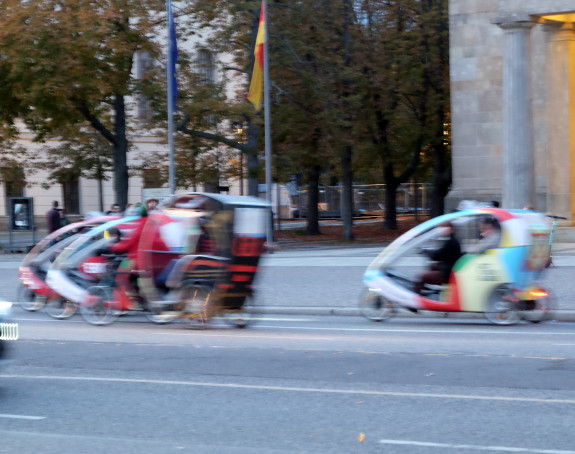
<point x="96" y="124"/>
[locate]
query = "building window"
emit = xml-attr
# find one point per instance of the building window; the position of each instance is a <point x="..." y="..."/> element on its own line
<point x="144" y="66"/>
<point x="152" y="178"/>
<point x="14" y="182"/>
<point x="205" y="64"/>
<point x="71" y="195"/>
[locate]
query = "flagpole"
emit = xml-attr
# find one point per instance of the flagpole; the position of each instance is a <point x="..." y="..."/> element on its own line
<point x="170" y="91"/>
<point x="267" y="126"/>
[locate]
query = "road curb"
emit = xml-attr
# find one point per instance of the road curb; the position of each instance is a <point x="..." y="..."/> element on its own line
<point x="560" y="315"/>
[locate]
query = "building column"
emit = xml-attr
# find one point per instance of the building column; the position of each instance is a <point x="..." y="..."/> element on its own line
<point x="560" y="84"/>
<point x="518" y="156"/>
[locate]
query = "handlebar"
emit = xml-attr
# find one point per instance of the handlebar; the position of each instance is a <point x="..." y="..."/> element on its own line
<point x="555" y="217"/>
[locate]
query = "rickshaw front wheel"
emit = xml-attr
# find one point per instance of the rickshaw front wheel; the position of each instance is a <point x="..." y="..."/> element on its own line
<point x="100" y="310"/>
<point x="60" y="308"/>
<point x="29" y="300"/>
<point x="375" y="307"/>
<point x="502" y="307"/>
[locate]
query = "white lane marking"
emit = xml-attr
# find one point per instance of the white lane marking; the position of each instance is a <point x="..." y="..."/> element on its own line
<point x="475" y="447"/>
<point x="243" y="336"/>
<point x="432" y="331"/>
<point x="292" y="388"/>
<point x="47" y="320"/>
<point x="22" y="417"/>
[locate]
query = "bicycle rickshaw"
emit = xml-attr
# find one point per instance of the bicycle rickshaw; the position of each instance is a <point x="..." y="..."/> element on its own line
<point x="195" y="257"/>
<point x="502" y="282"/>
<point x="33" y="292"/>
<point x="79" y="266"/>
<point x="200" y="253"/>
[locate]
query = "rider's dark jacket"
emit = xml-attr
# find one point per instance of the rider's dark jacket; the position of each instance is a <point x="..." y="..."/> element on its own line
<point x="446" y="255"/>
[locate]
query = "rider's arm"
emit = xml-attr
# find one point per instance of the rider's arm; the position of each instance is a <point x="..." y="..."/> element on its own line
<point x="485" y="243"/>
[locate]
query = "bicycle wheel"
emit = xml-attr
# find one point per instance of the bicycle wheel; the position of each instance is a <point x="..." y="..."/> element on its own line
<point x="502" y="307"/>
<point x="61" y="308"/>
<point x="29" y="300"/>
<point x="196" y="301"/>
<point x="375" y="307"/>
<point x="99" y="309"/>
<point x="242" y="317"/>
<point x="543" y="309"/>
<point x="161" y="314"/>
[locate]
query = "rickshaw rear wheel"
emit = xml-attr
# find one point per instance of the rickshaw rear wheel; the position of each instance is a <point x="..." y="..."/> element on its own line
<point x="61" y="308"/>
<point x="243" y="317"/>
<point x="375" y="307"/>
<point x="543" y="310"/>
<point x="29" y="300"/>
<point x="501" y="307"/>
<point x="101" y="311"/>
<point x="196" y="299"/>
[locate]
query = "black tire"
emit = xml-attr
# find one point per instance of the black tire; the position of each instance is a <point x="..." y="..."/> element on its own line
<point x="544" y="309"/>
<point x="102" y="311"/>
<point x="375" y="307"/>
<point x="161" y="315"/>
<point x="29" y="300"/>
<point x="243" y="317"/>
<point x="501" y="307"/>
<point x="61" y="309"/>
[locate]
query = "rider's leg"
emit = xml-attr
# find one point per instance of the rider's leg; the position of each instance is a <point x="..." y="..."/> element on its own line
<point x="429" y="277"/>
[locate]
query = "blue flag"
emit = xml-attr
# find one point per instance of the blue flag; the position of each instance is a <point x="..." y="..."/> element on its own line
<point x="173" y="53"/>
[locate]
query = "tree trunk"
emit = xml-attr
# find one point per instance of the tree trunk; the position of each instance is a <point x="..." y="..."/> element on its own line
<point x="313" y="200"/>
<point x="121" y="182"/>
<point x="441" y="185"/>
<point x="390" y="198"/>
<point x="347" y="196"/>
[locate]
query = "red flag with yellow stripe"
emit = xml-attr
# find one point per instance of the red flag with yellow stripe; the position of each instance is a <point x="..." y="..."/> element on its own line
<point x="255" y="94"/>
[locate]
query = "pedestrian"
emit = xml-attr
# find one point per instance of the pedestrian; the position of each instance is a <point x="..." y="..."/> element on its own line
<point x="53" y="218"/>
<point x="114" y="210"/>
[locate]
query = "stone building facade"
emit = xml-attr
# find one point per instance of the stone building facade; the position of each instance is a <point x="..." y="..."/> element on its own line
<point x="513" y="103"/>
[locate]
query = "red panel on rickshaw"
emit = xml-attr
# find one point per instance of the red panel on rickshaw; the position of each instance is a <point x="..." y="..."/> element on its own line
<point x="247" y="246"/>
<point x="94" y="266"/>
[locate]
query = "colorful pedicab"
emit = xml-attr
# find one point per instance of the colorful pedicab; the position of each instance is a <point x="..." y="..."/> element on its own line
<point x="33" y="292"/>
<point x="201" y="255"/>
<point x="501" y="282"/>
<point x="82" y="270"/>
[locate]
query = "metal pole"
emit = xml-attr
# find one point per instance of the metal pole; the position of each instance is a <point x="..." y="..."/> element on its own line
<point x="170" y="88"/>
<point x="267" y="120"/>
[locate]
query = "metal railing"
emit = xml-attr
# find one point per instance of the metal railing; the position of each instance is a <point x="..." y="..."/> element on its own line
<point x="411" y="198"/>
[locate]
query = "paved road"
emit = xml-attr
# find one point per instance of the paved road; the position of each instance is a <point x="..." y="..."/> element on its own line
<point x="289" y="385"/>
